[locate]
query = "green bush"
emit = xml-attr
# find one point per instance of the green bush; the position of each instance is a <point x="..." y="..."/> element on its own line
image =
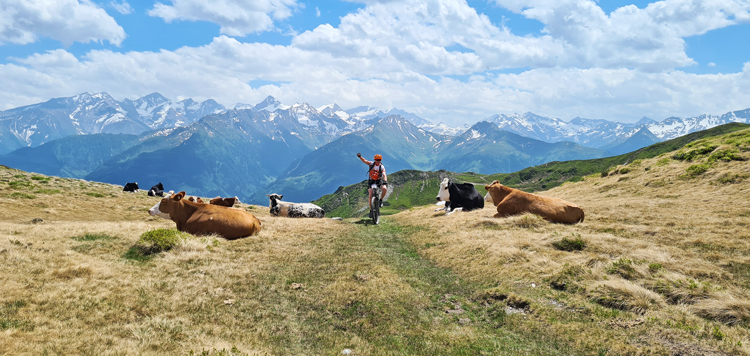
<point x="725" y="155"/>
<point x="694" y="153"/>
<point x="566" y="244"/>
<point x="161" y="239"/>
<point x="695" y="170"/>
<point x="731" y="178"/>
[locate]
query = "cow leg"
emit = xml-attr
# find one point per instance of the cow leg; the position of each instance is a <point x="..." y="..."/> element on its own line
<point x="454" y="210"/>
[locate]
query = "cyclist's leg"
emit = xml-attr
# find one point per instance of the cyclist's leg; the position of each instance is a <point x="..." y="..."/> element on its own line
<point x="385" y="189"/>
<point x="369" y="198"/>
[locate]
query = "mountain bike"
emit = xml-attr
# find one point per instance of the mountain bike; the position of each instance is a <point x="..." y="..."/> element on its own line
<point x="375" y="205"/>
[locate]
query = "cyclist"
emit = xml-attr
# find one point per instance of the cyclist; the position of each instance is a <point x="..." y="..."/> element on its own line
<point x="377" y="178"/>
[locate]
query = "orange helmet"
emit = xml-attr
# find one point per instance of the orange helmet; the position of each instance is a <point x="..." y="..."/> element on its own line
<point x="378" y="157"/>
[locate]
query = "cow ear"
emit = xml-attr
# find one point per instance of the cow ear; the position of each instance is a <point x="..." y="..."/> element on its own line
<point x="178" y="196"/>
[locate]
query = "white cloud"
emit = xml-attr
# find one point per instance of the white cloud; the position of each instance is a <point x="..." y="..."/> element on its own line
<point x="122" y="7"/>
<point x="649" y="39"/>
<point x="317" y="12"/>
<point x="68" y="21"/>
<point x="408" y="54"/>
<point x="236" y="17"/>
<point x="222" y="70"/>
<point x="712" y="64"/>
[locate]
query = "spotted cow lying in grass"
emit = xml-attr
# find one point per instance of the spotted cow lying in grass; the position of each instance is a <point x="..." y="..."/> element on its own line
<point x="205" y="219"/>
<point x="294" y="210"/>
<point x="510" y="201"/>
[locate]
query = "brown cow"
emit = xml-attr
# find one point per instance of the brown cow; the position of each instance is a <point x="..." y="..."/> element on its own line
<point x="204" y="219"/>
<point x="224" y="201"/>
<point x="196" y="200"/>
<point x="511" y="201"/>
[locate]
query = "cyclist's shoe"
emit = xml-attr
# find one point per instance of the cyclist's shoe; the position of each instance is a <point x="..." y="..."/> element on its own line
<point x="381" y="203"/>
<point x="371" y="214"/>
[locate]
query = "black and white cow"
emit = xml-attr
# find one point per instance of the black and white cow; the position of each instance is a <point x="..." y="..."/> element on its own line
<point x="294" y="210"/>
<point x="131" y="187"/>
<point x="156" y="191"/>
<point x="459" y="196"/>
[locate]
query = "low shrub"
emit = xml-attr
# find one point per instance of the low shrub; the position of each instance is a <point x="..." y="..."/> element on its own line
<point x="566" y="244"/>
<point x="731" y="178"/>
<point x="694" y="171"/>
<point x="624" y="268"/>
<point x="695" y="153"/>
<point x="161" y="239"/>
<point x="725" y="156"/>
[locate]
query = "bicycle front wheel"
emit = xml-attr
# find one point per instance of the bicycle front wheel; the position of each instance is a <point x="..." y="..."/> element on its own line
<point x="376" y="210"/>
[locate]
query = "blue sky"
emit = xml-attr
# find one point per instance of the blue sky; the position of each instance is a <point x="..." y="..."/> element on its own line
<point x="452" y="61"/>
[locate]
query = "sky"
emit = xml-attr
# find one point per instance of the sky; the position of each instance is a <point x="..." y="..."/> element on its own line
<point x="450" y="61"/>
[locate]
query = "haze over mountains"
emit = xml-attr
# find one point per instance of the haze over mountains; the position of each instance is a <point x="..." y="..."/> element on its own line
<point x="299" y="150"/>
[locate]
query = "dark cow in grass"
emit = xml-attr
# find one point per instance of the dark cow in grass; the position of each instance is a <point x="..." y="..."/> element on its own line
<point x="156" y="191"/>
<point x="459" y="196"/>
<point x="131" y="187"/>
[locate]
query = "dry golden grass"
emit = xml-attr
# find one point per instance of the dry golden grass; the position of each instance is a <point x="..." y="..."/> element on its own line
<point x="672" y="249"/>
<point x="665" y="270"/>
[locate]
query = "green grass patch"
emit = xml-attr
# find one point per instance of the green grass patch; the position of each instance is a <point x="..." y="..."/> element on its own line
<point x="566" y="244"/>
<point x="731" y="178"/>
<point x="140" y="254"/>
<point x="161" y="239"/>
<point x="41" y="179"/>
<point x="92" y="237"/>
<point x="725" y="156"/>
<point x="20" y="184"/>
<point x="568" y="278"/>
<point x="9" y="317"/>
<point x="47" y="191"/>
<point x="19" y="195"/>
<point x="692" y="154"/>
<point x="95" y="194"/>
<point x="694" y="171"/>
<point x="624" y="268"/>
<point x="234" y="351"/>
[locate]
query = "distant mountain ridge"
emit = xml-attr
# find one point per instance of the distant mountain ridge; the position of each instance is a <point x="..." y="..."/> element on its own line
<point x="298" y="150"/>
<point x="87" y="113"/>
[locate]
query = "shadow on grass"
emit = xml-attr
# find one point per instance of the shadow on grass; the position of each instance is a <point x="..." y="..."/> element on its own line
<point x="140" y="253"/>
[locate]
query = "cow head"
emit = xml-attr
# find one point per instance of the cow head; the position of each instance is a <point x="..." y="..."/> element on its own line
<point x="196" y="200"/>
<point x="496" y="192"/>
<point x="166" y="205"/>
<point x="443" y="193"/>
<point x="488" y="198"/>
<point x="274" y="198"/>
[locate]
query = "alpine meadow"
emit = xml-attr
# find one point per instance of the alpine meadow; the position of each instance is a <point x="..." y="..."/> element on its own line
<point x="660" y="267"/>
<point x="375" y="178"/>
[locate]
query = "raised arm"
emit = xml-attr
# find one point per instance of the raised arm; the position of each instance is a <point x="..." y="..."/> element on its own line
<point x="363" y="159"/>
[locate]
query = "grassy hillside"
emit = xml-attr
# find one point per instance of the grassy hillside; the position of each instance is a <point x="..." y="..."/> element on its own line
<point x="660" y="266"/>
<point x="349" y="201"/>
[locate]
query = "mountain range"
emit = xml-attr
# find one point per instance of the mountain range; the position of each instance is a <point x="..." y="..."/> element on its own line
<point x="300" y="151"/>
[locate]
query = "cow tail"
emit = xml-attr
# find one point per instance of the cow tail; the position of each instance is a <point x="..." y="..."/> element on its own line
<point x="582" y="216"/>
